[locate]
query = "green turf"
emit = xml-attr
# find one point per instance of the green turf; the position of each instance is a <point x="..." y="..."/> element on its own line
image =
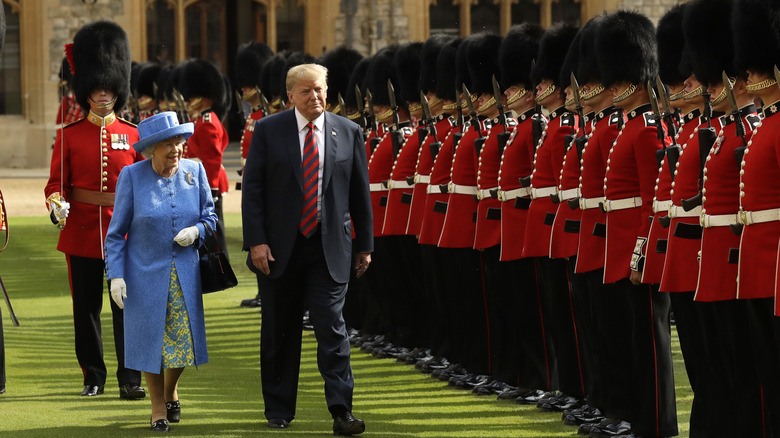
<point x="222" y="398"/>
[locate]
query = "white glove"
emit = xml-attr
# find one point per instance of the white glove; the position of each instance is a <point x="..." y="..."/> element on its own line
<point x="119" y="291"/>
<point x="58" y="207"/>
<point x="187" y="236"/>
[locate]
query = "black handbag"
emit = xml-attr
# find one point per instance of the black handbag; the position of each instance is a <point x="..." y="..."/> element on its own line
<point x="216" y="274"/>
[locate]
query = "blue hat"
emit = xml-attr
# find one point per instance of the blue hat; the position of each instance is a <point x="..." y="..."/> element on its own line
<point x="160" y="127"/>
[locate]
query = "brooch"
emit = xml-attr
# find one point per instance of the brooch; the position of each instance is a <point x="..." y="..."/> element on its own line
<point x="189" y="178"/>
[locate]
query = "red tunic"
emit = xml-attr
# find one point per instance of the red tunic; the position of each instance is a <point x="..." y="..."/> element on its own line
<point x="565" y="233"/>
<point x="590" y="252"/>
<point x="760" y="191"/>
<point x="423" y="173"/>
<point x="249" y="128"/>
<point x="78" y="160"/>
<point x="548" y="161"/>
<point x="488" y="232"/>
<point x="681" y="260"/>
<point x="655" y="252"/>
<point x="401" y="183"/>
<point x="630" y="173"/>
<point x="207" y="144"/>
<point x="460" y="222"/>
<point x="379" y="167"/>
<point x="516" y="163"/>
<point x="436" y="202"/>
<point x="719" y="245"/>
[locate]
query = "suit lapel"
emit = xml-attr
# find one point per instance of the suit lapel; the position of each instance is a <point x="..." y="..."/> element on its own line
<point x="294" y="147"/>
<point x="330" y="134"/>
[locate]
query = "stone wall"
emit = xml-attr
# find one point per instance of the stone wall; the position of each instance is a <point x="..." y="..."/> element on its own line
<point x="654" y="9"/>
<point x="371" y="28"/>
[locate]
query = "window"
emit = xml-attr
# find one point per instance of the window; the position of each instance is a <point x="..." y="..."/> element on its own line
<point x="526" y="11"/>
<point x="445" y="18"/>
<point x="160" y="32"/>
<point x="289" y="26"/>
<point x="485" y="17"/>
<point x="205" y="37"/>
<point x="10" y="65"/>
<point x="567" y="11"/>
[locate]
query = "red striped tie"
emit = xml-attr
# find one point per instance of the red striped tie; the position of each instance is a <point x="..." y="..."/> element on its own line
<point x="311" y="167"/>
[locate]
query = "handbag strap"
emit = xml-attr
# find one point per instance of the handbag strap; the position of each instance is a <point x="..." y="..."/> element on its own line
<point x="213" y="233"/>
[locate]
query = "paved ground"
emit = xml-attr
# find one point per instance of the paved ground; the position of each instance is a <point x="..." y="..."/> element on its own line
<point x="23" y="192"/>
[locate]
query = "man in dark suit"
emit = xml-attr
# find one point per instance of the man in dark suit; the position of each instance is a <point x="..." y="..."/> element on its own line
<point x="305" y="186"/>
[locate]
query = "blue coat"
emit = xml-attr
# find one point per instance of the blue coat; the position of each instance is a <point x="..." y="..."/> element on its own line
<point x="150" y="210"/>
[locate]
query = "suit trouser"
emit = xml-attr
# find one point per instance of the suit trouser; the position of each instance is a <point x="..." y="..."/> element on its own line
<point x="765" y="334"/>
<point x="86" y="285"/>
<point x="433" y="274"/>
<point x="306" y="280"/>
<point x="654" y="410"/>
<point x="354" y="313"/>
<point x="557" y="305"/>
<point x="502" y="317"/>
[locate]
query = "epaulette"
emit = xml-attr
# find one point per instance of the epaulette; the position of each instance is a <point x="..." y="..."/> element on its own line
<point x="75" y="122"/>
<point x="207" y="117"/>
<point x="649" y="119"/>
<point x="567" y="119"/>
<point x="127" y="122"/>
<point x="753" y="120"/>
<point x="616" y="118"/>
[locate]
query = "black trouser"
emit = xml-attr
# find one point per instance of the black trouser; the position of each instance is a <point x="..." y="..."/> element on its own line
<point x="466" y="308"/>
<point x="433" y="274"/>
<point x="613" y="323"/>
<point x="765" y="332"/>
<point x="654" y="411"/>
<point x="405" y="298"/>
<point x="2" y="353"/>
<point x="502" y="317"/>
<point x="557" y="306"/>
<point x="220" y="231"/>
<point x="86" y="285"/>
<point x="353" y="312"/>
<point x="372" y="304"/>
<point x="583" y="322"/>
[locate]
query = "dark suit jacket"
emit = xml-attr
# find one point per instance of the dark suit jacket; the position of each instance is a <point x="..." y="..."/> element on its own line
<point x="272" y="192"/>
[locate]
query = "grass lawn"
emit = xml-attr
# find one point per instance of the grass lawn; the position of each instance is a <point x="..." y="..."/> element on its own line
<point x="223" y="397"/>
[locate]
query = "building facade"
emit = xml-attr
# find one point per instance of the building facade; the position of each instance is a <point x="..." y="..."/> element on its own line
<point x="173" y="30"/>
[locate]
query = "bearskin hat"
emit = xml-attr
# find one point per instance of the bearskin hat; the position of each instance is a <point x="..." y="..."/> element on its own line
<point x="249" y="63"/>
<point x="756" y="38"/>
<point x="570" y="61"/>
<point x="711" y="52"/>
<point x="587" y="63"/>
<point x="445" y="66"/>
<point x="162" y="82"/>
<point x="201" y="78"/>
<point x="271" y="79"/>
<point x="66" y="77"/>
<point x="358" y="78"/>
<point x="101" y="59"/>
<point x="407" y="69"/>
<point x="380" y="70"/>
<point x="670" y="47"/>
<point x="135" y="68"/>
<point x="482" y="55"/>
<point x="146" y="79"/>
<point x="340" y="63"/>
<point x="626" y="49"/>
<point x="430" y="52"/>
<point x="518" y="49"/>
<point x="552" y="50"/>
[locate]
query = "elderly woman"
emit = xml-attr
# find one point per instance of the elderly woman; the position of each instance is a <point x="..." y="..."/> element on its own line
<point x="163" y="205"/>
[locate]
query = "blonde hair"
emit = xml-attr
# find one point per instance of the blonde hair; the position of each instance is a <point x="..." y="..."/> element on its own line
<point x="306" y="72"/>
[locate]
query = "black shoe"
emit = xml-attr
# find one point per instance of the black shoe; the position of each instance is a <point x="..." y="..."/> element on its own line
<point x="512" y="394"/>
<point x="347" y="424"/>
<point x="2" y="389"/>
<point x="533" y="397"/>
<point x="251" y="302"/>
<point x="174" y="411"/>
<point x="130" y="391"/>
<point x="491" y="388"/>
<point x="161" y="426"/>
<point x="307" y="324"/>
<point x="278" y="423"/>
<point x="560" y="404"/>
<point x="92" y="390"/>
<point x="610" y="428"/>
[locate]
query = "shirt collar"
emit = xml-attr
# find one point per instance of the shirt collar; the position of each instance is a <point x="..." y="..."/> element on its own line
<point x="319" y="122"/>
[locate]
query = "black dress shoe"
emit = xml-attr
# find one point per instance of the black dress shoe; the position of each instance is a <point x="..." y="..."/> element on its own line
<point x="131" y="392"/>
<point x="512" y="394"/>
<point x="92" y="390"/>
<point x="2" y="389"/>
<point x="278" y="423"/>
<point x="560" y="404"/>
<point x="174" y="411"/>
<point x="610" y="429"/>
<point x="251" y="302"/>
<point x="533" y="397"/>
<point x="347" y="424"/>
<point x="161" y="426"/>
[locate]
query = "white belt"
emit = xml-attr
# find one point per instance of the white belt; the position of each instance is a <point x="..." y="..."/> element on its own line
<point x="509" y="195"/>
<point x="718" y="220"/>
<point x="622" y="204"/>
<point x="377" y="187"/>
<point x="463" y="190"/>
<point x="589" y="203"/>
<point x="422" y="179"/>
<point x="485" y="193"/>
<point x="543" y="192"/>
<point x="659" y="206"/>
<point x="399" y="184"/>
<point x="758" y="217"/>
<point x="677" y="211"/>
<point x="565" y="195"/>
<point x="435" y="188"/>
